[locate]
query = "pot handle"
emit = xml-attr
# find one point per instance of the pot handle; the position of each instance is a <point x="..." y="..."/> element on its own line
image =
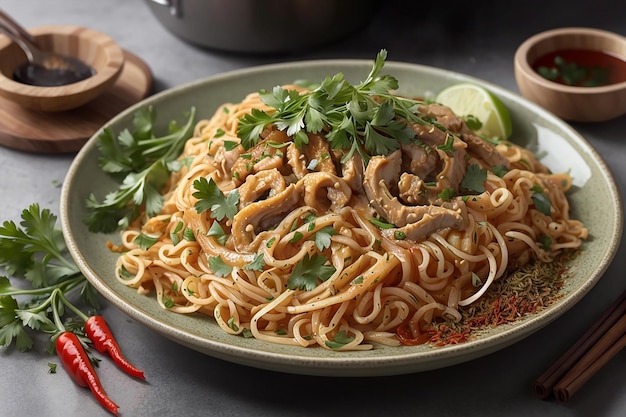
<point x="174" y="5"/>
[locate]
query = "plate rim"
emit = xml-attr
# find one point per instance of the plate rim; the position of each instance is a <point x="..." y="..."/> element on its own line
<point x="346" y="364"/>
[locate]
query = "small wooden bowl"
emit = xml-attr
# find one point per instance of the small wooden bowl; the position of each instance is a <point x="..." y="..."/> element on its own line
<point x="93" y="48"/>
<point x="576" y="104"/>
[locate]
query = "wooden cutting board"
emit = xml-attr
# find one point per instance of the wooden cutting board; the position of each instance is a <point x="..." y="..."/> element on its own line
<point x="66" y="132"/>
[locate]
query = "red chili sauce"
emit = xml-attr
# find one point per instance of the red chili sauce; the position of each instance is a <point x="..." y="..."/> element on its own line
<point x="581" y="67"/>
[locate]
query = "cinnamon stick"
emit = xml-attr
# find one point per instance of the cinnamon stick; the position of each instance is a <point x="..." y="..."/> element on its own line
<point x="544" y="385"/>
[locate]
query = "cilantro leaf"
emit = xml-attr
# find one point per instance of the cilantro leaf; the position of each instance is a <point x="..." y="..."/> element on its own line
<point x="218" y="233"/>
<point x="545" y="242"/>
<point x="323" y="237"/>
<point x="251" y="126"/>
<point x="449" y="145"/>
<point x="210" y="197"/>
<point x="366" y="118"/>
<point x="541" y="200"/>
<point x="446" y="194"/>
<point x="219" y="267"/>
<point x="257" y="264"/>
<point x="499" y="170"/>
<point x="36" y="250"/>
<point x="339" y="340"/>
<point x="473" y="122"/>
<point x="145" y="241"/>
<point x="382" y="224"/>
<point x="309" y="271"/>
<point x="142" y="162"/>
<point x="474" y="179"/>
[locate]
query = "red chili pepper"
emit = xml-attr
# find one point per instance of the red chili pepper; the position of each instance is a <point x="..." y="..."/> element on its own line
<point x="98" y="331"/>
<point x="75" y="361"/>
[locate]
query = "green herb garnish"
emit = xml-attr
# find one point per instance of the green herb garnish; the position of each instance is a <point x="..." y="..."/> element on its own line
<point x="142" y="162"/>
<point x="364" y="118"/>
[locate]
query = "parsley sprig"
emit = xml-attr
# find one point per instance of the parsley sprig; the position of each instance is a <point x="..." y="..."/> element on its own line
<point x="309" y="272"/>
<point x="365" y="118"/>
<point x="142" y="161"/>
<point x="210" y="197"/>
<point x="35" y="253"/>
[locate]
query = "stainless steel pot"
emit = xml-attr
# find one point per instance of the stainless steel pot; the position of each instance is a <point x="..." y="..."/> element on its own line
<point x="261" y="26"/>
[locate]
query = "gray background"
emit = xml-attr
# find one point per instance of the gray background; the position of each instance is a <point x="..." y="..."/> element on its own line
<point x="477" y="38"/>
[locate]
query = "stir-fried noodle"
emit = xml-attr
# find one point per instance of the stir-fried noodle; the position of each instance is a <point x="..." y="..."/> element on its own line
<point x="339" y="252"/>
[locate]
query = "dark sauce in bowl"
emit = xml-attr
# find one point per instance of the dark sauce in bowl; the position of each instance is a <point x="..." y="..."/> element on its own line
<point x="39" y="75"/>
<point x="581" y="67"/>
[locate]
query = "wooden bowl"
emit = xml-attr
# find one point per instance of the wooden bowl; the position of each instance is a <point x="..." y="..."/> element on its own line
<point x="93" y="48"/>
<point x="572" y="103"/>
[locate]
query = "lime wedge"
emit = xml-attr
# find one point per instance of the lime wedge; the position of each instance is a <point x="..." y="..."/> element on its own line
<point x="466" y="99"/>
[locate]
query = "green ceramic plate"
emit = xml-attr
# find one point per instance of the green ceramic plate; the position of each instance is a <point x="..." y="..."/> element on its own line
<point x="595" y="192"/>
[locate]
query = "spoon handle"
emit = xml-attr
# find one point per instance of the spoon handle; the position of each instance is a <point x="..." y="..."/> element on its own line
<point x="10" y="25"/>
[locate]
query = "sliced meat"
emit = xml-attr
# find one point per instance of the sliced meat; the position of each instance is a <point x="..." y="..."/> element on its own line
<point x="352" y="172"/>
<point x="324" y="191"/>
<point x="317" y="154"/>
<point x="485" y="151"/>
<point x="262" y="215"/>
<point x="475" y="145"/>
<point x="295" y="159"/>
<point x="381" y="175"/>
<point x="260" y="157"/>
<point x="418" y="160"/>
<point x="264" y="183"/>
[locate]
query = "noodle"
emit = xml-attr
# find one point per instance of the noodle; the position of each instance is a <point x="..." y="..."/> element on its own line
<point x="306" y="260"/>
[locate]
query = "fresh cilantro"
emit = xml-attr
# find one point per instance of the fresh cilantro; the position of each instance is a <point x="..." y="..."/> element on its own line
<point x="309" y="271"/>
<point x="358" y="280"/>
<point x="449" y="145"/>
<point x="545" y="242"/>
<point x="219" y="267"/>
<point x="340" y="340"/>
<point x="145" y="241"/>
<point x="35" y="253"/>
<point x="52" y="368"/>
<point x="499" y="170"/>
<point x="210" y="197"/>
<point x="36" y="248"/>
<point x="251" y="126"/>
<point x="474" y="179"/>
<point x="323" y="237"/>
<point x="188" y="235"/>
<point x="541" y="200"/>
<point x="257" y="264"/>
<point x="365" y="118"/>
<point x="473" y="122"/>
<point x="446" y="194"/>
<point x="175" y="233"/>
<point x="167" y="301"/>
<point x="296" y="237"/>
<point x="229" y="145"/>
<point x="142" y="162"/>
<point x="399" y="235"/>
<point x="218" y="233"/>
<point x="379" y="223"/>
<point x="231" y="323"/>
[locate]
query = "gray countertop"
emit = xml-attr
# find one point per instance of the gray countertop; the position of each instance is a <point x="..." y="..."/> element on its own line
<point x="476" y="38"/>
